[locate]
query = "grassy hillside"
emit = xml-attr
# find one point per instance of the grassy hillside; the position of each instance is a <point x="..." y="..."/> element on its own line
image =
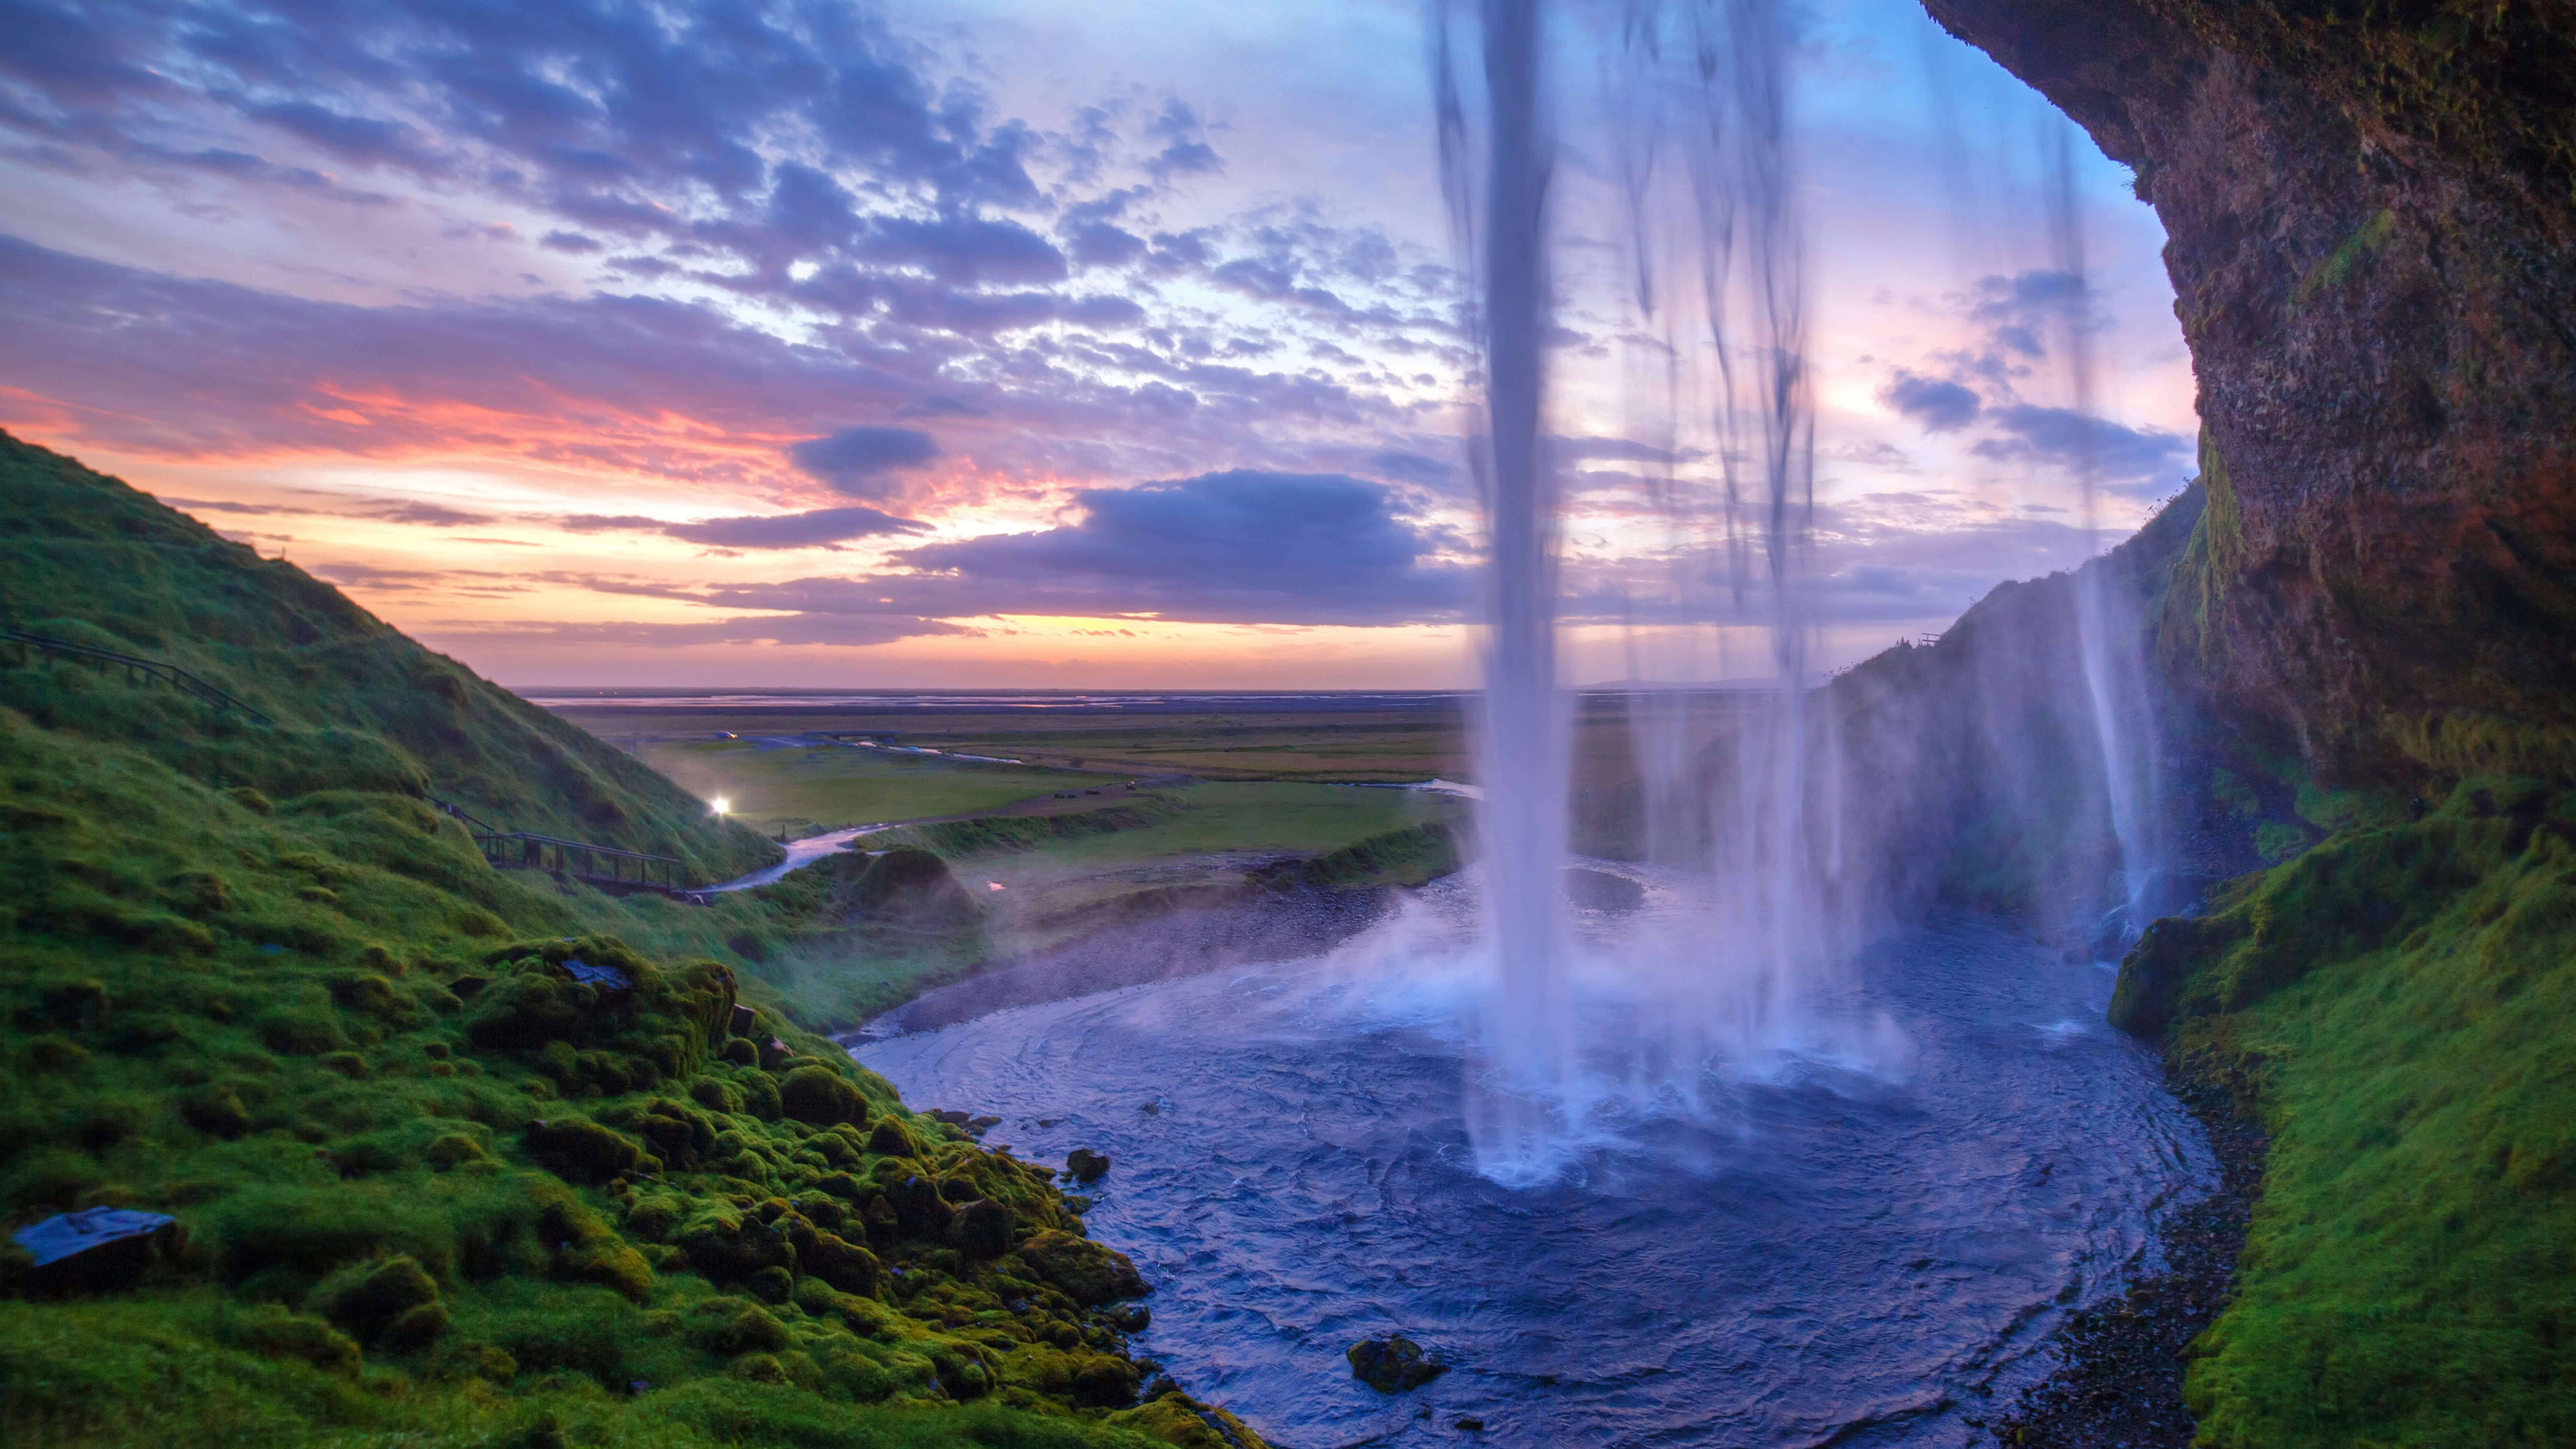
<point x="2395" y="1004"/>
<point x="358" y="706"/>
<point x="436" y="1184"/>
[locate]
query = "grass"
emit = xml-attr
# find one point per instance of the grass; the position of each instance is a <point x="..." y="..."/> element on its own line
<point x="2398" y="999"/>
<point x="831" y="786"/>
<point x="1220" y="818"/>
<point x="437" y="1189"/>
<point x="358" y="705"/>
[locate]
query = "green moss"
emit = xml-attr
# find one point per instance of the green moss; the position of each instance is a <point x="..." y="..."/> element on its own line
<point x="2399" y="997"/>
<point x="2332" y="268"/>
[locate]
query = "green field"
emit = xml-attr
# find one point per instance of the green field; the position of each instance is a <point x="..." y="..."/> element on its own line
<point x="829" y="786"/>
<point x="1221" y="819"/>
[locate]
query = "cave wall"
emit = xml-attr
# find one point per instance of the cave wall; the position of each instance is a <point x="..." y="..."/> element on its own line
<point x="2371" y="213"/>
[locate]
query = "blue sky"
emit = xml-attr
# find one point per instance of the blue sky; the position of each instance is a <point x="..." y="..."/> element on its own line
<point x="985" y="342"/>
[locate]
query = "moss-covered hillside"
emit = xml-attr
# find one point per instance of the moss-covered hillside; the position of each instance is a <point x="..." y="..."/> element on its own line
<point x="87" y="559"/>
<point x="2395" y="1005"/>
<point x="460" y="1156"/>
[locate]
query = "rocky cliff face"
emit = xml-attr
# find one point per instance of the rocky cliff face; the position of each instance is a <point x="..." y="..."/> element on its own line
<point x="2371" y="207"/>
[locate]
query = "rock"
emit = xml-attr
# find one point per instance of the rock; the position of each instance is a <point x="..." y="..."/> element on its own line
<point x="982" y="1230"/>
<point x="2385" y="518"/>
<point x="890" y="1140"/>
<point x="773" y="1052"/>
<point x="1466" y="1425"/>
<point x="1392" y="1364"/>
<point x="821" y="1096"/>
<point x="96" y="1249"/>
<point x="1085" y="1165"/>
<point x="1105" y="1383"/>
<point x="1129" y="1317"/>
<point x="845" y="1265"/>
<point x="1089" y="1274"/>
<point x="580" y="1150"/>
<point x="394" y="1302"/>
<point x="744" y="1020"/>
<point x="1598" y="890"/>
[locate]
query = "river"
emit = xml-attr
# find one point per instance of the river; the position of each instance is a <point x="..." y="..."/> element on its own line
<point x="1859" y="1234"/>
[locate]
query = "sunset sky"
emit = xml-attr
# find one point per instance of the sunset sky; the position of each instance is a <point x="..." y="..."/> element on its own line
<point x="982" y="342"/>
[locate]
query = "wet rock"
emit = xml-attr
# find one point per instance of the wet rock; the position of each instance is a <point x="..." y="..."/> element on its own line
<point x="1598" y="890"/>
<point x="1467" y="1425"/>
<point x="1392" y="1364"/>
<point x="1085" y="1165"/>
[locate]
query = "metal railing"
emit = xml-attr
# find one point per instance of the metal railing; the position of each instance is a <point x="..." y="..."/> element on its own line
<point x="135" y="668"/>
<point x="526" y="850"/>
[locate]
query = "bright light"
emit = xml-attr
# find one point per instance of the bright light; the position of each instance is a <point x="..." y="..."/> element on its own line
<point x="720" y="804"/>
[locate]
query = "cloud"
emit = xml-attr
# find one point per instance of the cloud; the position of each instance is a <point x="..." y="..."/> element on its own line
<point x="855" y="460"/>
<point x="2144" y="459"/>
<point x="1235" y="546"/>
<point x="1939" y="406"/>
<point x="836" y="630"/>
<point x="429" y="515"/>
<point x="820" y="527"/>
<point x="941" y="407"/>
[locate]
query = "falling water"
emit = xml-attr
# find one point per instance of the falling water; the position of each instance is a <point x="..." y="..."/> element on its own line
<point x="1523" y="733"/>
<point x="1750" y="794"/>
<point x="2106" y="638"/>
<point x="1707" y="82"/>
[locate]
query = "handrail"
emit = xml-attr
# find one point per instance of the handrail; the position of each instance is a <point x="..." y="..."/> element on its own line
<point x="531" y="848"/>
<point x="176" y="677"/>
<point x="557" y="840"/>
<point x="450" y="807"/>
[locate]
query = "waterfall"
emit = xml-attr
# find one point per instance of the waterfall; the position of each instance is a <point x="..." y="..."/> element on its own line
<point x="1747" y="797"/>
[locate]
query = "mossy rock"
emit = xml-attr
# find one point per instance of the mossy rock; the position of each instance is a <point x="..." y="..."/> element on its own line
<point x="844" y="1265"/>
<point x="821" y="1096"/>
<point x="579" y="1150"/>
<point x="982" y="1230"/>
<point x="270" y="1329"/>
<point x="1088" y="1273"/>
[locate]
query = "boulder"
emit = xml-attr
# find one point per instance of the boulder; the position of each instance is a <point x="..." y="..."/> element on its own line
<point x="1084" y="1165"/>
<point x="580" y="1150"/>
<point x="1089" y="1274"/>
<point x="821" y="1096"/>
<point x="1392" y="1364"/>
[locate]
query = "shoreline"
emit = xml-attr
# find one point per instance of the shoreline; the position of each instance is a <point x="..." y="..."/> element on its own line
<point x="2121" y="1379"/>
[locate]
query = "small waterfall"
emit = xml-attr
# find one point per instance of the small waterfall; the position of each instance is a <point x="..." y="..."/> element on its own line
<point x="2107" y="633"/>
